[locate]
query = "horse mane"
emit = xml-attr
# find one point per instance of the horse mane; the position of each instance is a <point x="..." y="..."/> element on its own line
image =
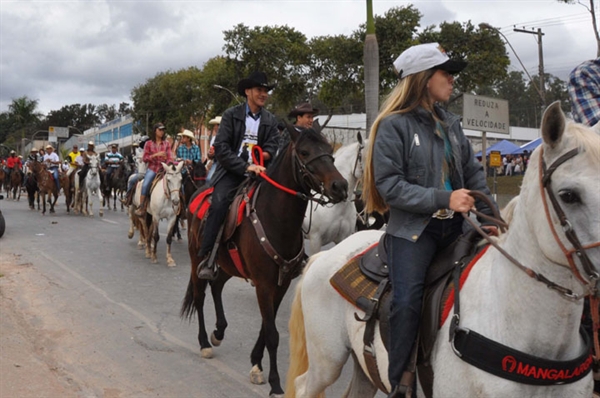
<point x="587" y="139"/>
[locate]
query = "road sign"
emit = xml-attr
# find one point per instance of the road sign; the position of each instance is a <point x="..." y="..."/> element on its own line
<point x="60" y="132"/>
<point x="495" y="159"/>
<point x="485" y="114"/>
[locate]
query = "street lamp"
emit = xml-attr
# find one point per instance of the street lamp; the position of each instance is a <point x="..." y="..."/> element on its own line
<point x="487" y="26"/>
<point x="228" y="90"/>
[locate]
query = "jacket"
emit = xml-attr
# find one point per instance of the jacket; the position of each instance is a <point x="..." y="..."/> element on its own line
<point x="407" y="162"/>
<point x="231" y="134"/>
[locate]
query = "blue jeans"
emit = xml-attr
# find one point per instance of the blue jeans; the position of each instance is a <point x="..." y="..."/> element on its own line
<point x="54" y="171"/>
<point x="150" y="174"/>
<point x="408" y="263"/>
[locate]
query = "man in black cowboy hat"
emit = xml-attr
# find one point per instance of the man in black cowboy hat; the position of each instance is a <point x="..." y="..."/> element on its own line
<point x="242" y="127"/>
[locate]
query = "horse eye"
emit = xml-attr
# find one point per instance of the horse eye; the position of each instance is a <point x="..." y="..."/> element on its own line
<point x="304" y="154"/>
<point x="569" y="196"/>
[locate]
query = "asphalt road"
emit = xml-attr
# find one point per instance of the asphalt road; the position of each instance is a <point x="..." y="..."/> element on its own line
<point x="116" y="316"/>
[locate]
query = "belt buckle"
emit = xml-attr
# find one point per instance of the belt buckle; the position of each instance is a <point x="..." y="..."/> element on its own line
<point x="443" y="214"/>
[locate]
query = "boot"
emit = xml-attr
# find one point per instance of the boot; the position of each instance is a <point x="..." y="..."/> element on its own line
<point x="205" y="270"/>
<point x="128" y="198"/>
<point x="141" y="211"/>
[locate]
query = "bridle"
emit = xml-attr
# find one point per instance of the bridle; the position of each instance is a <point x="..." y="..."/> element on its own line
<point x="591" y="283"/>
<point x="169" y="193"/>
<point x="358" y="161"/>
<point x="591" y="280"/>
<point x="303" y="175"/>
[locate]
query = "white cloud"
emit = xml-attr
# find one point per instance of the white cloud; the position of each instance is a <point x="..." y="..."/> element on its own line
<point x="95" y="52"/>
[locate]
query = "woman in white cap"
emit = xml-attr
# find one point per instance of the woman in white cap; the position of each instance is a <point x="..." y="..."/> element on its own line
<point x="421" y="167"/>
<point x="86" y="161"/>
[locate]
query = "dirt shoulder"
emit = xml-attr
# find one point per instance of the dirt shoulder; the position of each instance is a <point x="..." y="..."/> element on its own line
<point x="28" y="367"/>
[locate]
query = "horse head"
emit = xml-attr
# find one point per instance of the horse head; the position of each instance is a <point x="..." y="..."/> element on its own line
<point x="563" y="176"/>
<point x="314" y="163"/>
<point x="94" y="165"/>
<point x="172" y="181"/>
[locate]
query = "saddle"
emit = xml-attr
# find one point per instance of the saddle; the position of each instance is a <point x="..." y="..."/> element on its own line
<point x="363" y="281"/>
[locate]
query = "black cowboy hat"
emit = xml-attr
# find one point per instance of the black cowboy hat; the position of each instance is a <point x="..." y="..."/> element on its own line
<point x="302" y="109"/>
<point x="256" y="79"/>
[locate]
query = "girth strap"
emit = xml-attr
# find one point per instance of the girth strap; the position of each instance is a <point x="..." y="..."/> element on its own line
<point x="369" y="334"/>
<point x="285" y="266"/>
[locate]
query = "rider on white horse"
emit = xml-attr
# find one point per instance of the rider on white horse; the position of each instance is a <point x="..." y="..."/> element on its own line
<point x="421" y="166"/>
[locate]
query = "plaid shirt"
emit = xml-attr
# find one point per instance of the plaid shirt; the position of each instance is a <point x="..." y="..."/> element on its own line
<point x="193" y="153"/>
<point x="584" y="91"/>
<point x="154" y="163"/>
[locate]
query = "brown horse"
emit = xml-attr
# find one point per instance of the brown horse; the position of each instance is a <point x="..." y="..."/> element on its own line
<point x="15" y="184"/>
<point x="306" y="165"/>
<point x="2" y="177"/>
<point x="46" y="185"/>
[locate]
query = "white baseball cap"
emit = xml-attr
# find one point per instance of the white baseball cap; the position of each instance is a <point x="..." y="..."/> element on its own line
<point x="422" y="57"/>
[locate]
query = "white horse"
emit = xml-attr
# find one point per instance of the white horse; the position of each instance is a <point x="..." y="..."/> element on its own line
<point x="165" y="202"/>
<point x="85" y="197"/>
<point x="498" y="300"/>
<point x="334" y="223"/>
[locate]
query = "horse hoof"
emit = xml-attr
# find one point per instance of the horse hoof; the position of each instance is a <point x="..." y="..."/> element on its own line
<point x="206" y="353"/>
<point x="256" y="376"/>
<point x="214" y="341"/>
<point x="129" y="235"/>
<point x="101" y="214"/>
<point x="154" y="261"/>
<point x="171" y="264"/>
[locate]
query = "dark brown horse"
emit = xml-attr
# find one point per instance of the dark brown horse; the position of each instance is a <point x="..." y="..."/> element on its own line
<point x="46" y="185"/>
<point x="306" y="165"/>
<point x="15" y="184"/>
<point x="194" y="178"/>
<point x="115" y="185"/>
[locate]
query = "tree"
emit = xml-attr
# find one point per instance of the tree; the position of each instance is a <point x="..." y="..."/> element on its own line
<point x="371" y="62"/>
<point x="483" y="50"/>
<point x="592" y="10"/>
<point x="335" y="74"/>
<point x="396" y="31"/>
<point x="279" y="51"/>
<point x="23" y="112"/>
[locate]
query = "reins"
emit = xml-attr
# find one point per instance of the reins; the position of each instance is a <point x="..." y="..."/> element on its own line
<point x="258" y="158"/>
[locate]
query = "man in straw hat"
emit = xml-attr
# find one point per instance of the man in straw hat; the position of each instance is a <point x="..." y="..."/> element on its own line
<point x="52" y="162"/>
<point x="242" y="127"/>
<point x="187" y="150"/>
<point x="215" y="122"/>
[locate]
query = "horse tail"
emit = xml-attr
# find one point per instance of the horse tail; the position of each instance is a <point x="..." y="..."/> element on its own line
<point x="187" y="307"/>
<point x="298" y="353"/>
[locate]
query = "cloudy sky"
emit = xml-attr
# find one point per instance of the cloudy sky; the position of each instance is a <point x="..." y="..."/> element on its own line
<point x="63" y="52"/>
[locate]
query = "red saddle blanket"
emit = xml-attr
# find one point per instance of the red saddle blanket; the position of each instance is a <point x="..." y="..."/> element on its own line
<point x="200" y="204"/>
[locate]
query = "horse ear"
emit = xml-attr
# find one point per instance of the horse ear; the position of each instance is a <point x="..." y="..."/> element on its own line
<point x="317" y="126"/>
<point x="165" y="166"/>
<point x="553" y="124"/>
<point x="179" y="167"/>
<point x="294" y="134"/>
<point x="359" y="137"/>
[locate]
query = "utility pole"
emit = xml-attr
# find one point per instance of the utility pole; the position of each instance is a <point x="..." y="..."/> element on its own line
<point x="541" y="60"/>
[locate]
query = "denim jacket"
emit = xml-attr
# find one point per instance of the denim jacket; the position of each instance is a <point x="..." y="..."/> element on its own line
<point x="407" y="162"/>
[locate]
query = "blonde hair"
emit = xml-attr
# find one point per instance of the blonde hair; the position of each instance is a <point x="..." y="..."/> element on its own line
<point x="410" y="93"/>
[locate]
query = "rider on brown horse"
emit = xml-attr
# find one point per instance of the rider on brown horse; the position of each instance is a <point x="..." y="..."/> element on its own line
<point x="242" y="127"/>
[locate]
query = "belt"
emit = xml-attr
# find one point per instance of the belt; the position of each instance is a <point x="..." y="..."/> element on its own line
<point x="443" y="214"/>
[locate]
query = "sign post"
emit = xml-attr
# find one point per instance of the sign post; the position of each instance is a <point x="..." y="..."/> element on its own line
<point x="485" y="114"/>
<point x="495" y="162"/>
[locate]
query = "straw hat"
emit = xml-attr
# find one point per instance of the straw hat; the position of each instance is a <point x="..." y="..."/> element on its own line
<point x="187" y="133"/>
<point x="49" y="146"/>
<point x="216" y="120"/>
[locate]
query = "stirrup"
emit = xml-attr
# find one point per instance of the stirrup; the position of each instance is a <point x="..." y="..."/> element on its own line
<point x="205" y="270"/>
